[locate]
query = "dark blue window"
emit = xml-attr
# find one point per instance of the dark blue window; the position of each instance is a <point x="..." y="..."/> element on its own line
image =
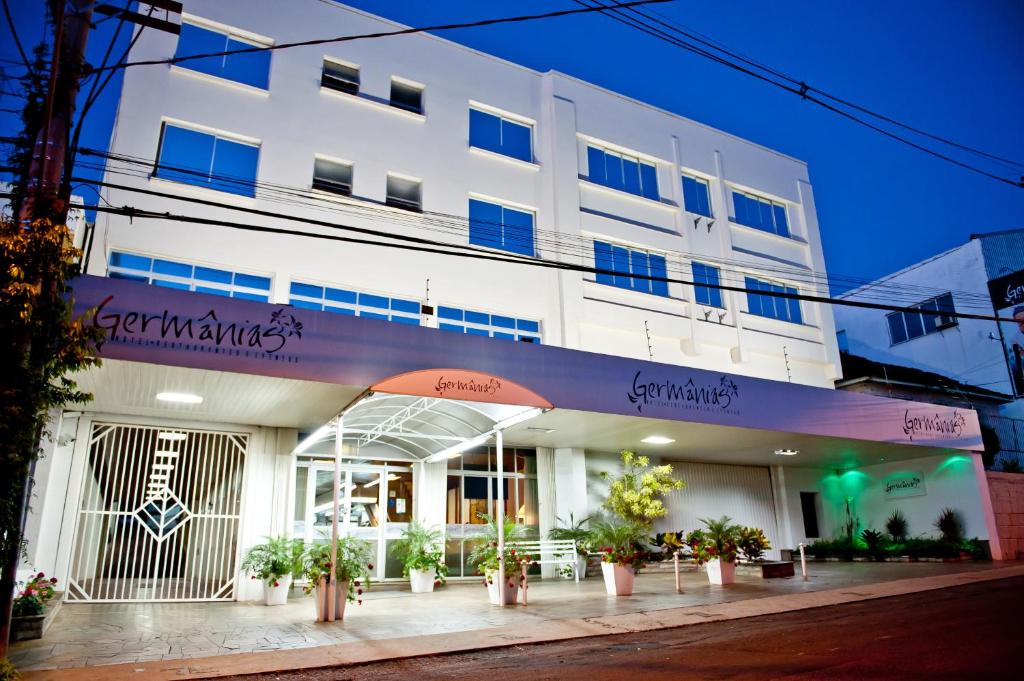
<point x="250" y="68"/>
<point x="632" y="269"/>
<point x="500" y="135"/>
<point x="355" y="303"/>
<point x="696" y="197"/>
<point x="477" y="323"/>
<point x="625" y="173"/>
<point x="761" y="214"/>
<point x="497" y="226"/>
<point x="772" y="306"/>
<point x="187" y="277"/>
<point x="205" y="160"/>
<point x="705" y="278"/>
<point x="904" y="326"/>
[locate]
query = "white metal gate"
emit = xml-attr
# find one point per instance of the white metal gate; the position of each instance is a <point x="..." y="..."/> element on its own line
<point x="158" y="516"/>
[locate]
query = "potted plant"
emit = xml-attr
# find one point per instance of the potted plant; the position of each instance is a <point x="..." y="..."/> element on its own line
<point x="574" y="531"/>
<point x="752" y="543"/>
<point x="351" y="574"/>
<point x="485" y="556"/>
<point x="636" y="495"/>
<point x="29" y="610"/>
<point x="897" y="526"/>
<point x="618" y="542"/>
<point x="716" y="546"/>
<point x="273" y="563"/>
<point x="421" y="550"/>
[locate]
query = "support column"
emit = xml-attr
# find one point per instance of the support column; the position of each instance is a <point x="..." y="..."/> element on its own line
<point x="283" y="500"/>
<point x="780" y="499"/>
<point x="995" y="547"/>
<point x="546" y="499"/>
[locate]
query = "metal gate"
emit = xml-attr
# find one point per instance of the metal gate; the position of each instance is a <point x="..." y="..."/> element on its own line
<point x="158" y="517"/>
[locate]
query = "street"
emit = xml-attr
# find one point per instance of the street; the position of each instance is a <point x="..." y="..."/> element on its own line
<point x="968" y="632"/>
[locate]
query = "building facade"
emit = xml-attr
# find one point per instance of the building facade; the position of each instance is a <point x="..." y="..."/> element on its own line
<point x="316" y="202"/>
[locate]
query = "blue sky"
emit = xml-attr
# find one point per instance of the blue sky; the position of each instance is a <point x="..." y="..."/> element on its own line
<point x="952" y="68"/>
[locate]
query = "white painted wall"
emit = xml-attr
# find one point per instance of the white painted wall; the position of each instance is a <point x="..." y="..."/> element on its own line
<point x="296" y="120"/>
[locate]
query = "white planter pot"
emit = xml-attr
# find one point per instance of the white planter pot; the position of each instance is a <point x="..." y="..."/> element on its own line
<point x="581" y="566"/>
<point x="421" y="581"/>
<point x="721" y="572"/>
<point x="340" y="600"/>
<point x="511" y="589"/>
<point x="618" y="579"/>
<point x="277" y="595"/>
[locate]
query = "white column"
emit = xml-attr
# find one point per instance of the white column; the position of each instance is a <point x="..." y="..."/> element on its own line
<point x="430" y="493"/>
<point x="571" y="483"/>
<point x="780" y="499"/>
<point x="283" y="501"/>
<point x="547" y="509"/>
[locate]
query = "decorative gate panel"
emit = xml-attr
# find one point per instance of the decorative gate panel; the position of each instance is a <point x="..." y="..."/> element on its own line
<point x="158" y="517"/>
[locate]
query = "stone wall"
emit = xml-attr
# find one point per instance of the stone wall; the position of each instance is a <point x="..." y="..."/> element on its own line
<point x="1007" y="490"/>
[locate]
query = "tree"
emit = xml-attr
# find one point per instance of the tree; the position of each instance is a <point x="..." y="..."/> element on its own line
<point x="635" y="496"/>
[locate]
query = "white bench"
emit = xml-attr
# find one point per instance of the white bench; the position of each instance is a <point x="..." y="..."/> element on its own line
<point x="549" y="552"/>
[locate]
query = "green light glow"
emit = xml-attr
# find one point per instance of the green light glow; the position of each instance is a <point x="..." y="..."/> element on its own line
<point x="956" y="460"/>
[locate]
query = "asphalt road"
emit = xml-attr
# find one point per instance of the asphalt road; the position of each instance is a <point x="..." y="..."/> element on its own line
<point x="970" y="632"/>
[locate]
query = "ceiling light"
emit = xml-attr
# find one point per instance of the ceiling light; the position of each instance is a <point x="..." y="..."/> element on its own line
<point x="786" y="452"/>
<point x="657" y="440"/>
<point x="185" y="398"/>
<point x="172" y="437"/>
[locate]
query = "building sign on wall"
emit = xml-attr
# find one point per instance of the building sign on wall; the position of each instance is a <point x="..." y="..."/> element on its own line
<point x="694" y="395"/>
<point x="1007" y="294"/>
<point x="905" y="484"/>
<point x="461" y="384"/>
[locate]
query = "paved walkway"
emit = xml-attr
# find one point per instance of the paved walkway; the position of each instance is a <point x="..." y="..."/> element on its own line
<point x="175" y="641"/>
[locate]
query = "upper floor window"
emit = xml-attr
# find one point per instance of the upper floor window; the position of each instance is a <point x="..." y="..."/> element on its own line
<point x="497" y="226"/>
<point x="773" y="307"/>
<point x="629" y="268"/>
<point x="207" y="160"/>
<point x="623" y="172"/>
<point x="332" y="176"/>
<point x="501" y="135"/>
<point x="354" y="303"/>
<point x="250" y="68"/>
<point x="406" y="96"/>
<point x="904" y="326"/>
<point x="404" y="192"/>
<point x="760" y="213"/>
<point x="705" y="283"/>
<point x="696" y="196"/>
<point x="485" y="324"/>
<point x="188" y="277"/>
<point x="340" y="77"/>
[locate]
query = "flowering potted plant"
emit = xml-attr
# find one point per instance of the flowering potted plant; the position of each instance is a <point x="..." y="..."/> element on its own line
<point x="485" y="556"/>
<point x="272" y="562"/>
<point x="618" y="542"/>
<point x="716" y="546"/>
<point x="421" y="551"/>
<point x="352" y="573"/>
<point x="29" y="611"/>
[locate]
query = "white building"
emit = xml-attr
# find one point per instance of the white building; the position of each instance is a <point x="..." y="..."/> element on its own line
<point x="419" y="137"/>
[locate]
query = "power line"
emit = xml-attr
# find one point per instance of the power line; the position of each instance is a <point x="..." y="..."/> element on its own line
<point x="379" y="34"/>
<point x="17" y="40"/>
<point x="437" y="248"/>
<point x="802" y="91"/>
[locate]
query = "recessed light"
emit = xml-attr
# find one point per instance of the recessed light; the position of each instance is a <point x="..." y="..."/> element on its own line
<point x="185" y="398"/>
<point x="172" y="437"/>
<point x="657" y="440"/>
<point x="786" y="452"/>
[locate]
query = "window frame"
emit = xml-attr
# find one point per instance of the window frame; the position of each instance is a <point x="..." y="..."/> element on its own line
<point x="334" y="85"/>
<point x="707" y="189"/>
<point x="447" y="323"/>
<point x="210" y="176"/>
<point x="631" y="257"/>
<point x="792" y="304"/>
<point x="399" y="203"/>
<point x="357" y="306"/>
<point x="191" y="282"/>
<point x="712" y="293"/>
<point x="410" y="85"/>
<point x="774" y="207"/>
<point x="229" y="33"/>
<point x="503" y="118"/>
<point x="330" y="186"/>
<point x="623" y="157"/>
<point x="941" y="322"/>
<point x="501" y="244"/>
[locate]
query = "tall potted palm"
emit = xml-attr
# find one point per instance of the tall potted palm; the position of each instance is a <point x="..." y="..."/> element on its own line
<point x="485" y="556"/>
<point x="421" y="550"/>
<point x="273" y="563"/>
<point x="351" y="574"/>
<point x="618" y="542"/>
<point x="716" y="546"/>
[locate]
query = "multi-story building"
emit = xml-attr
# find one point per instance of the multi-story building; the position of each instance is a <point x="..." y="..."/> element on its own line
<point x="339" y="186"/>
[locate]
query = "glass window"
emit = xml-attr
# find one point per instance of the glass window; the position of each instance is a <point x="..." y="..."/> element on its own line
<point x="704" y="278"/>
<point x="772" y="306"/>
<point x="477" y="323"/>
<point x="355" y="303"/>
<point x="331" y="176"/>
<point x="406" y="96"/>
<point x="206" y="160"/>
<point x="938" y="315"/>
<point x="897" y="330"/>
<point x="696" y="196"/>
<point x="340" y="77"/>
<point x="497" y="226"/>
<point x="625" y="173"/>
<point x="250" y="68"/>
<point x="187" y="277"/>
<point x="632" y="269"/>
<point x="404" y="193"/>
<point x="501" y="135"/>
<point x="759" y="213"/>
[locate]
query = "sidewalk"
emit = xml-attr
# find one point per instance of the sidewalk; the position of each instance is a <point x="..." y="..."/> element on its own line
<point x="656" y="606"/>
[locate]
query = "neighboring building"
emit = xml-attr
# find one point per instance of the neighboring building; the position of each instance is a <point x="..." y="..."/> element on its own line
<point x="267" y="336"/>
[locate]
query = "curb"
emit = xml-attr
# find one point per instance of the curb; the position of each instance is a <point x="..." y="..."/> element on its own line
<point x="361" y="652"/>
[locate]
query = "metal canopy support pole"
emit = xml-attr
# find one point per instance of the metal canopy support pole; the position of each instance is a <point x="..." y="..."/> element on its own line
<point x="500" y="518"/>
<point x="332" y="590"/>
